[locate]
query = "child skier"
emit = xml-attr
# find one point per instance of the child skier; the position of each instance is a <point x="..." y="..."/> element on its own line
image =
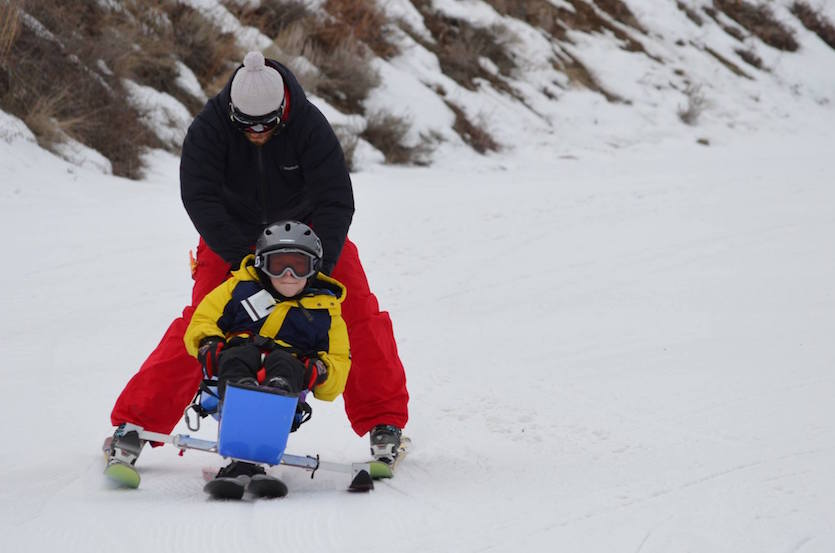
<point x="276" y="322"/>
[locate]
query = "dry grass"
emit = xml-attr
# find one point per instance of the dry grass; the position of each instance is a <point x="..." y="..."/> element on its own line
<point x="735" y="32"/>
<point x="759" y="20"/>
<point x="199" y="43"/>
<point x="539" y="13"/>
<point x="68" y="81"/>
<point x="691" y="14"/>
<point x="592" y="16"/>
<point x="387" y="132"/>
<point x="750" y="57"/>
<point x="347" y="75"/>
<point x="365" y="22"/>
<point x="460" y="46"/>
<point x="55" y="87"/>
<point x="815" y="22"/>
<point x="71" y="85"/>
<point x="579" y="75"/>
<point x="9" y="27"/>
<point x="338" y="68"/>
<point x="620" y="12"/>
<point x="269" y="16"/>
<point x="584" y="16"/>
<point x="731" y="66"/>
<point x="478" y="138"/>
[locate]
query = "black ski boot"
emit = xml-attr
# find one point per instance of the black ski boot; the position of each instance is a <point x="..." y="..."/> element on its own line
<point x="238" y="476"/>
<point x="279" y="383"/>
<point x="385" y="443"/>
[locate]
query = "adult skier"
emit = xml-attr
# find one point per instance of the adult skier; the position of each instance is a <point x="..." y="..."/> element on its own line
<point x="259" y="152"/>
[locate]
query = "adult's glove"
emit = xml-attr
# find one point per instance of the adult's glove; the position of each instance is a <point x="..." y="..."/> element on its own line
<point x="208" y="353"/>
<point x="315" y="372"/>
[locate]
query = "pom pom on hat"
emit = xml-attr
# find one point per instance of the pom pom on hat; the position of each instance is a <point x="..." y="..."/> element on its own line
<point x="257" y="89"/>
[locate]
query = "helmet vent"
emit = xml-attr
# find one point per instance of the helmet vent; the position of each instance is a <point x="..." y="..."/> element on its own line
<point x="268" y="232"/>
<point x="287" y="227"/>
<point x="307" y="233"/>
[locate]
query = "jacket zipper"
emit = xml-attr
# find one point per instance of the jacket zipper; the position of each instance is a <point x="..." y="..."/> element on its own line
<point x="263" y="185"/>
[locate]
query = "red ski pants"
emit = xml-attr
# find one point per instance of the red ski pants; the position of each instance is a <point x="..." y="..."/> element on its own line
<point x="157" y="395"/>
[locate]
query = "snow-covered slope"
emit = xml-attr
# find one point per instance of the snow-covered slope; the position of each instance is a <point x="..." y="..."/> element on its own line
<point x="612" y="351"/>
<point x="616" y="338"/>
<point x="551" y="75"/>
<point x="636" y="77"/>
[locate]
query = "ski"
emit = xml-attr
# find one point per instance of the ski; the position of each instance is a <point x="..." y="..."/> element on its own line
<point x="122" y="472"/>
<point x="226" y="487"/>
<point x="266" y="486"/>
<point x="119" y="472"/>
<point x="259" y="485"/>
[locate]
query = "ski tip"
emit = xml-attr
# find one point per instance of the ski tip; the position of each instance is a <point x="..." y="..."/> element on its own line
<point x="379" y="469"/>
<point x="122" y="475"/>
<point x="267" y="487"/>
<point x="225" y="488"/>
<point x="362" y="482"/>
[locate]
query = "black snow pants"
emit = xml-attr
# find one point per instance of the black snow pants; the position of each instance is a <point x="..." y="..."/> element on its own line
<point x="242" y="363"/>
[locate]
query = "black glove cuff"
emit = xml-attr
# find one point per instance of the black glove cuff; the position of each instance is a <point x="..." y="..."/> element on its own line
<point x="211" y="339"/>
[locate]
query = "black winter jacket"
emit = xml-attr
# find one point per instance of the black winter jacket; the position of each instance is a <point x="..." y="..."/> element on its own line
<point x="232" y="188"/>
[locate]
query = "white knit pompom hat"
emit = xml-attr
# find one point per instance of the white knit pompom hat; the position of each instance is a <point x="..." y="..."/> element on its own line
<point x="256" y="88"/>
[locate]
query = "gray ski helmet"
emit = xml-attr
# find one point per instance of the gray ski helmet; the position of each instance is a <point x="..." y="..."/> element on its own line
<point x="288" y="235"/>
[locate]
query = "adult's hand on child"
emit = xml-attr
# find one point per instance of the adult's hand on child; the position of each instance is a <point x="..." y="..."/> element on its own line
<point x="315" y="372"/>
<point x="208" y="353"/>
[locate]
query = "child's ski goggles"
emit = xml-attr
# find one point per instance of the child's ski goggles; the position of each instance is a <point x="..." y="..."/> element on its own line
<point x="255" y="124"/>
<point x="300" y="263"/>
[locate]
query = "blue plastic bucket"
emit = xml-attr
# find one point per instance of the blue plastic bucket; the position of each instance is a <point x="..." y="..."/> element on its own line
<point x="255" y="424"/>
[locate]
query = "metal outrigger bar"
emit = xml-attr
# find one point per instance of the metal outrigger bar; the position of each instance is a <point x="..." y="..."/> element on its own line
<point x="362" y="474"/>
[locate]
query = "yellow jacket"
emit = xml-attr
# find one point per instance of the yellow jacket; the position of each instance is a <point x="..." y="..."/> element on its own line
<point x="311" y="322"/>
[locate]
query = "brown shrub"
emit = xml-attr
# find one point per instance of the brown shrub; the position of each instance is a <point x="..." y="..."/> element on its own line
<point x="9" y="27"/>
<point x="53" y="88"/>
<point x="199" y="43"/>
<point x="136" y="42"/>
<point x="750" y="57"/>
<point x="288" y="47"/>
<point x="478" y="138"/>
<point x="347" y="75"/>
<point x="387" y="132"/>
<point x="459" y="46"/>
<point x="584" y="17"/>
<point x="363" y="20"/>
<point x="579" y="74"/>
<point x="735" y="32"/>
<point x="620" y="12"/>
<point x="269" y="16"/>
<point x="759" y="21"/>
<point x="343" y="73"/>
<point x="815" y="22"/>
<point x="731" y="66"/>
<point x="691" y="14"/>
<point x="539" y="13"/>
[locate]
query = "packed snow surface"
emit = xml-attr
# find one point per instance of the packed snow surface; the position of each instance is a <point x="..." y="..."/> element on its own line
<point x="610" y="350"/>
<point x="617" y="332"/>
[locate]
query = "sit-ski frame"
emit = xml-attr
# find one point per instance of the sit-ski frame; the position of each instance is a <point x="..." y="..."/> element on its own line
<point x="362" y="474"/>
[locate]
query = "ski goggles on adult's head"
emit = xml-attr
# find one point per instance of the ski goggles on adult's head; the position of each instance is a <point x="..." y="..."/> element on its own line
<point x="300" y="263"/>
<point x="255" y="124"/>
